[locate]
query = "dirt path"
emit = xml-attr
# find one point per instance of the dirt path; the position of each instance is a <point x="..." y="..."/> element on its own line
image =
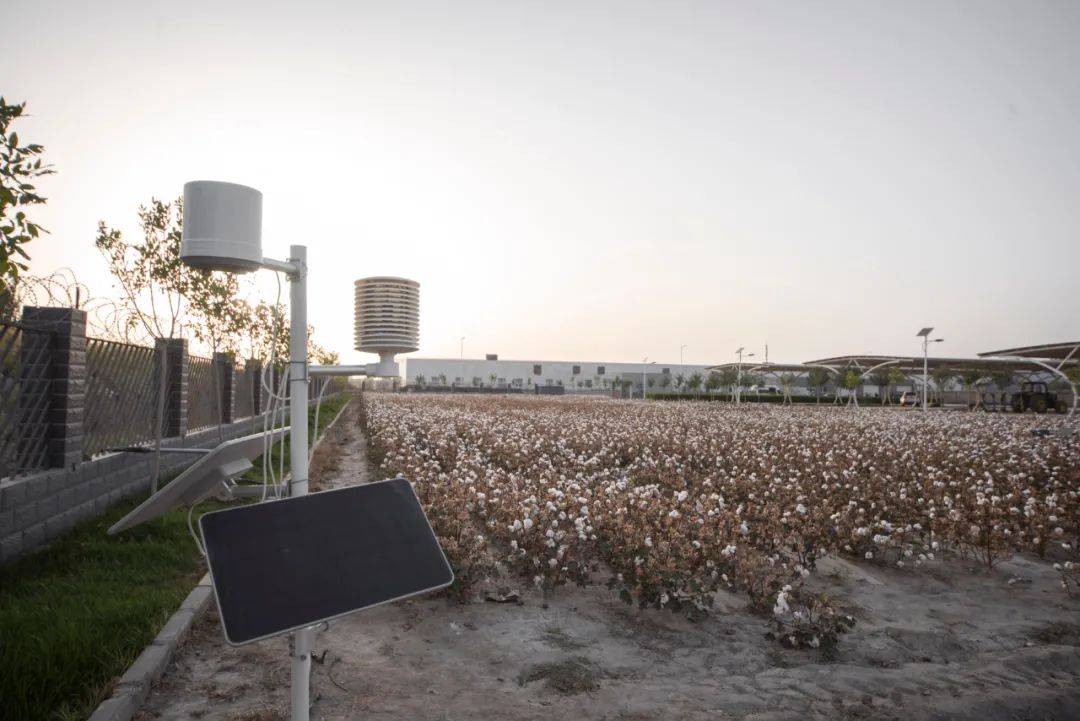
<point x="341" y="459"/>
<point x="948" y="641"/>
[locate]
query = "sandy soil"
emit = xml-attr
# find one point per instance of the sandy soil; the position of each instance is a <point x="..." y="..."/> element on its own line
<point x="946" y="641"/>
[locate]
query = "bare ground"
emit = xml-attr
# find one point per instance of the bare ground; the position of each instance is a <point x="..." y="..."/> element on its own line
<point x="947" y="641"/>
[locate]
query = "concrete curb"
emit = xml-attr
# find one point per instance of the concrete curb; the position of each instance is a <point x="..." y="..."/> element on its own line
<point x="134" y="686"/>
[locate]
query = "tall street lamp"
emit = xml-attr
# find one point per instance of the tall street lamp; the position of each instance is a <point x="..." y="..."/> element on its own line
<point x="645" y="363"/>
<point x="682" y="370"/>
<point x="461" y="359"/>
<point x="738" y="382"/>
<point x="926" y="341"/>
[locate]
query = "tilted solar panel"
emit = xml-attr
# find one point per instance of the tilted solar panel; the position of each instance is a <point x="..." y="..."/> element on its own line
<point x="284" y="565"/>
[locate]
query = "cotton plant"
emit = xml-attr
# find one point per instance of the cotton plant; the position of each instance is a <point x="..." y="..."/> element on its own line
<point x="676" y="502"/>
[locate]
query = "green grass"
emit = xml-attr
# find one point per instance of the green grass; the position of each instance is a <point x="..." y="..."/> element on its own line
<point x="74" y="616"/>
<point x="327" y="411"/>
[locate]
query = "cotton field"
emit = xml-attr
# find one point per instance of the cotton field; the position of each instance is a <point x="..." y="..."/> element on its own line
<point x="669" y="502"/>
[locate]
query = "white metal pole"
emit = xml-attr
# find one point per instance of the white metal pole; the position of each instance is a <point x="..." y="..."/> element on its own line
<point x="925" y="345"/>
<point x="298" y="455"/>
<point x="682" y="367"/>
<point x="738" y="380"/>
<point x="644" y="368"/>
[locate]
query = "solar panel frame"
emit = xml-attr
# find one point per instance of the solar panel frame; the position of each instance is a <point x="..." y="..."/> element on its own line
<point x="201" y="477"/>
<point x="234" y="604"/>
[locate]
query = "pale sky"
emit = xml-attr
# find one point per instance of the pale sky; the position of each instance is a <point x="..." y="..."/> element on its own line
<point x="596" y="181"/>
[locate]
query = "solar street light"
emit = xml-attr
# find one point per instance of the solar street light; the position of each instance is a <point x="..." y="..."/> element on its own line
<point x="925" y="335"/>
<point x="738" y="381"/>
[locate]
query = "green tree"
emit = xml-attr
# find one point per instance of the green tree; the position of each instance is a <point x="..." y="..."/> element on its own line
<point x="729" y="376"/>
<point x="680" y="382"/>
<point x="971" y="378"/>
<point x="420" y="380"/>
<point x="694" y="382"/>
<point x="161" y="294"/>
<point x="941" y="378"/>
<point x="852" y="379"/>
<point x="20" y="164"/>
<point x="787" y="382"/>
<point x="818" y="378"/>
<point x="713" y="381"/>
<point x="894" y="376"/>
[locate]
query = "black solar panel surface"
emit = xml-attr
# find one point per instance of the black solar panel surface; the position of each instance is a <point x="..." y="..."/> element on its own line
<point x="284" y="565"/>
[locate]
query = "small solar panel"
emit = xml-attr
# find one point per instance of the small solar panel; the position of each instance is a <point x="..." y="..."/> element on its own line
<point x="283" y="565"/>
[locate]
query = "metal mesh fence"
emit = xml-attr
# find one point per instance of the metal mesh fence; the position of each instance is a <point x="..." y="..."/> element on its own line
<point x="121" y="395"/>
<point x="24" y="398"/>
<point x="203" y="394"/>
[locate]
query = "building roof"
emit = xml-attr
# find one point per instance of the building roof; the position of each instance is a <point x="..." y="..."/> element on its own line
<point x="768" y="367"/>
<point x="1068" y="351"/>
<point x="932" y="363"/>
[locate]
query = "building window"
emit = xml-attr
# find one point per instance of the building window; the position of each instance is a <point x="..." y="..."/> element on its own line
<point x="577" y="370"/>
<point x="537" y="370"/>
<point x="666" y="370"/>
<point x="457" y="380"/>
<point x="502" y="381"/>
<point x="600" y="370"/>
<point x="549" y="382"/>
<point x="518" y="383"/>
<point x="588" y="383"/>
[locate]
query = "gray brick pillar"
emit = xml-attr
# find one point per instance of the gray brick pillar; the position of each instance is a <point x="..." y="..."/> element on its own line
<point x="224" y="373"/>
<point x="253" y="387"/>
<point x="175" y="358"/>
<point x="66" y="381"/>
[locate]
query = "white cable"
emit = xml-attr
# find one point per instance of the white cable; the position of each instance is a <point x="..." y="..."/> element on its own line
<point x="315" y="434"/>
<point x="191" y="530"/>
<point x="269" y="415"/>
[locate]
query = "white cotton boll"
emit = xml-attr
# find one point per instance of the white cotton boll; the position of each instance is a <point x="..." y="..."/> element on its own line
<point x="869" y="555"/>
<point x="674" y="513"/>
<point x="648" y="541"/>
<point x="681" y="496"/>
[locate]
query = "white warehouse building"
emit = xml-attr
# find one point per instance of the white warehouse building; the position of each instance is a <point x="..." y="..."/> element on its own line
<point x="572" y="375"/>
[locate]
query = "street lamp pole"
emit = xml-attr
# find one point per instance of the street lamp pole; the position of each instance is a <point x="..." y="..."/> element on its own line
<point x="461" y="360"/>
<point x="645" y="363"/>
<point x="925" y="335"/>
<point x="682" y="370"/>
<point x="738" y="381"/>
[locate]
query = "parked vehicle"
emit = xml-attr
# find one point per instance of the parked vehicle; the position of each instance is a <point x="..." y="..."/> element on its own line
<point x="1035" y="396"/>
<point x="909" y="398"/>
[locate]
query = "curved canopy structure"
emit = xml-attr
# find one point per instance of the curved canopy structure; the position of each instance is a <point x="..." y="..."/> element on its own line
<point x="1054" y="357"/>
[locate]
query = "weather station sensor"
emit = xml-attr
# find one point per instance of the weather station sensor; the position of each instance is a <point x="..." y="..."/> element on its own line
<point x="387" y="319"/>
<point x="222" y="226"/>
<point x="287" y="565"/>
